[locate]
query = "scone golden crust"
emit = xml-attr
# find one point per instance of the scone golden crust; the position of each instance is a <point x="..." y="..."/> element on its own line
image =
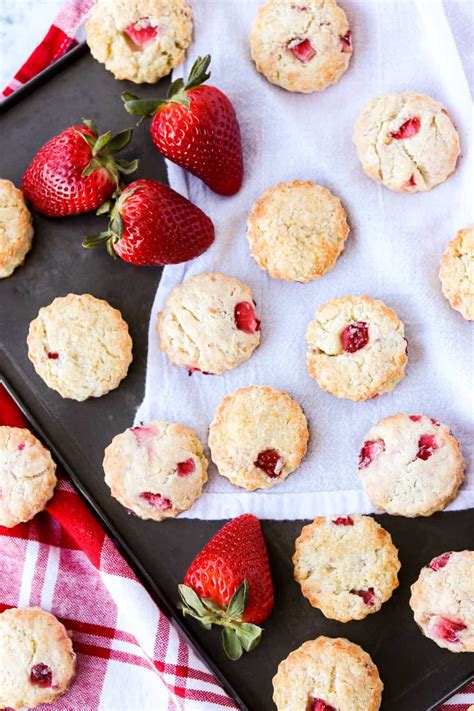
<point x="347" y="566"/>
<point x="209" y="323"/>
<point x="27" y="476"/>
<point x="406" y="141"/>
<point x="157" y="470"/>
<point x="37" y="660"/>
<point x="301" y="45"/>
<point x="442" y="600"/>
<point x="80" y="346"/>
<point x="16" y="228"/>
<point x="356" y="348"/>
<point x="139" y="40"/>
<point x="327" y="673"/>
<point x="258" y="437"/>
<point x="297" y="230"/>
<point x="457" y="273"/>
<point x="411" y="465"/>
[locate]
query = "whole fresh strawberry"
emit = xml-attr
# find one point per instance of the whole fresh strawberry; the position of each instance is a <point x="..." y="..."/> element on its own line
<point x="151" y="224"/>
<point x="75" y="171"/>
<point x="196" y="127"/>
<point x="229" y="583"/>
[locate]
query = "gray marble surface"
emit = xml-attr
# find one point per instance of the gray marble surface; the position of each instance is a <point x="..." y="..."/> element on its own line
<point x="23" y="23"/>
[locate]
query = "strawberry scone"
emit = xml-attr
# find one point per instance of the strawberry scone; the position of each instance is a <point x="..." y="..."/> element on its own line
<point x="16" y="228"/>
<point x="457" y="273"/>
<point x="258" y="437"/>
<point x="327" y="674"/>
<point x="209" y="323"/>
<point x="139" y="40"/>
<point x="411" y="465"/>
<point x="37" y="660"/>
<point x="301" y="45"/>
<point x="157" y="470"/>
<point x="356" y="348"/>
<point x="347" y="566"/>
<point x="442" y="600"/>
<point x="80" y="346"/>
<point x="406" y="141"/>
<point x="27" y="476"/>
<point x="297" y="230"/>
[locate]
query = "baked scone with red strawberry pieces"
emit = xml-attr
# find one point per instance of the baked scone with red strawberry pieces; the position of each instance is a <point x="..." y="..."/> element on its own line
<point x="297" y="230"/>
<point x="27" y="476"/>
<point x="356" y="348"/>
<point x="209" y="323"/>
<point x="457" y="273"/>
<point x="347" y="566"/>
<point x="442" y="600"/>
<point x="139" y="40"/>
<point x="16" y="228"/>
<point x="406" y="141"/>
<point x="411" y="465"/>
<point x="301" y="45"/>
<point x="37" y="660"/>
<point x="258" y="437"/>
<point x="327" y="674"/>
<point x="156" y="470"/>
<point x="80" y="346"/>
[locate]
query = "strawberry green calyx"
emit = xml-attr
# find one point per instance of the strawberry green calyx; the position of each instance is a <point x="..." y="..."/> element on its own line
<point x="177" y="93"/>
<point x="103" y="147"/>
<point x="113" y="233"/>
<point x="237" y="636"/>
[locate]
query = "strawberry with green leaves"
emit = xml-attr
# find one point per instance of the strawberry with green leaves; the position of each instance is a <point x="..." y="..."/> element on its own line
<point x="151" y="224"/>
<point x="229" y="584"/>
<point x="197" y="128"/>
<point x="76" y="171"/>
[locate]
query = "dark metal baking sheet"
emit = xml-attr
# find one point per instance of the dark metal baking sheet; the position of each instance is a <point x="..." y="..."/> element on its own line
<point x="416" y="673"/>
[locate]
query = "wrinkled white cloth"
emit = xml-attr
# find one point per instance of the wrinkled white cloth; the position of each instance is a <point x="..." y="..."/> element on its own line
<point x="392" y="252"/>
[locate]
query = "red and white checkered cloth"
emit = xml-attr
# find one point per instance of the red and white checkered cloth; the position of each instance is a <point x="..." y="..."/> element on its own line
<point x="130" y="657"/>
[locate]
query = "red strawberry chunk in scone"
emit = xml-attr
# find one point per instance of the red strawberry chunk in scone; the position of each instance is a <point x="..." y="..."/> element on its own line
<point x="410" y="183"/>
<point x="53" y="356"/>
<point x="270" y="462"/>
<point x="343" y="521"/>
<point x="302" y="50"/>
<point x="355" y="336"/>
<point x="370" y="450"/>
<point x="142" y="32"/>
<point x="347" y="42"/>
<point x="407" y="130"/>
<point x="440" y="561"/>
<point x="426" y="446"/>
<point x="320" y="705"/>
<point x="41" y="675"/>
<point x="368" y="596"/>
<point x="187" y="467"/>
<point x="245" y="319"/>
<point x="156" y="500"/>
<point x="144" y="434"/>
<point x="447" y="629"/>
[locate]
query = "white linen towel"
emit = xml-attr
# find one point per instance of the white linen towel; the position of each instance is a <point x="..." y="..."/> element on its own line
<point x="392" y="252"/>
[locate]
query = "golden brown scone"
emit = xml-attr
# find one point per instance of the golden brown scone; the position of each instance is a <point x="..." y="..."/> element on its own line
<point x="356" y="348"/>
<point x="457" y="273"/>
<point x="139" y="40"/>
<point x="347" y="566"/>
<point x="406" y="141"/>
<point x="301" y="45"/>
<point x="297" y="230"/>
<point x="326" y="674"/>
<point x="16" y="228"/>
<point x="258" y="437"/>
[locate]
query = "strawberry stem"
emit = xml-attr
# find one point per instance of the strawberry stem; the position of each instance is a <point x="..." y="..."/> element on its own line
<point x="237" y="636"/>
<point x="177" y="93"/>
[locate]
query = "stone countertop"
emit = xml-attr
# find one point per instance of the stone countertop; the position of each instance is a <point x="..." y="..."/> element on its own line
<point x="23" y="23"/>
